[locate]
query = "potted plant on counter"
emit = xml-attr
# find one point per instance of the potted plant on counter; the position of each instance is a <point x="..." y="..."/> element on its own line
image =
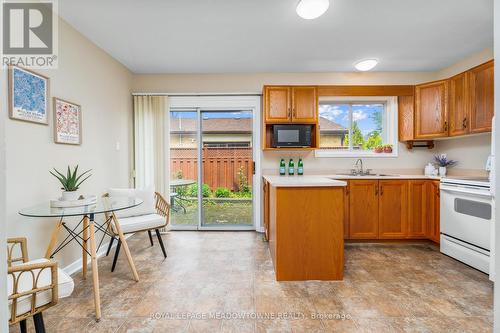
<point x="443" y="162"/>
<point x="70" y="182"/>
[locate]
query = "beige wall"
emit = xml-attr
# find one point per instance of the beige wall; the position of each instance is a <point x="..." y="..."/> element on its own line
<point x="474" y="148"/>
<point x="90" y="77"/>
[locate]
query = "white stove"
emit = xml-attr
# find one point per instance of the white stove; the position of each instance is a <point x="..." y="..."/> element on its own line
<point x="467" y="220"/>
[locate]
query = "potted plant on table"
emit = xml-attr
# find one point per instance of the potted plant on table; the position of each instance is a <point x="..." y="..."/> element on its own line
<point x="443" y="162"/>
<point x="70" y="182"/>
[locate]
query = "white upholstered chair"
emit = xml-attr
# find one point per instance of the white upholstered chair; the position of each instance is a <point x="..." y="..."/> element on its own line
<point x="152" y="214"/>
<point x="33" y="285"/>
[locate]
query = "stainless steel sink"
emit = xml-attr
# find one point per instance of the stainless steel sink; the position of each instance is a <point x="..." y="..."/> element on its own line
<point x="367" y="175"/>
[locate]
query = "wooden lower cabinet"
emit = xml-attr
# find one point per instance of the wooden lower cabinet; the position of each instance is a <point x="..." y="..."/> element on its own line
<point x="392" y="211"/>
<point x="434" y="212"/>
<point x="265" y="220"/>
<point x="418" y="208"/>
<point x="346" y="212"/>
<point x="363" y="209"/>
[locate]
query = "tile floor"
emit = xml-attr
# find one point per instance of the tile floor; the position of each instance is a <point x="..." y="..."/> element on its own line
<point x="387" y="288"/>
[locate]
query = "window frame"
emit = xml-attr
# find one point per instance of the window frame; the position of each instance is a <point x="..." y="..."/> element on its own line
<point x="390" y="119"/>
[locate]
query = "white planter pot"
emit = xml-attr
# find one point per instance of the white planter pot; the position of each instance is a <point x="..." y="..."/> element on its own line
<point x="442" y="171"/>
<point x="70" y="195"/>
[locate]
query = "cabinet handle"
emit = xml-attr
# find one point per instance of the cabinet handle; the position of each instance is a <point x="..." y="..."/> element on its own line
<point x="376" y="190"/>
<point x="290" y="113"/>
<point x="445" y="125"/>
<point x="464" y="123"/>
<point x="294" y="113"/>
<point x="346" y="190"/>
<point x="381" y="190"/>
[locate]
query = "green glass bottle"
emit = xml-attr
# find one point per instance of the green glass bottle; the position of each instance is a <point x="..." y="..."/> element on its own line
<point x="291" y="168"/>
<point x="300" y="167"/>
<point x="282" y="167"/>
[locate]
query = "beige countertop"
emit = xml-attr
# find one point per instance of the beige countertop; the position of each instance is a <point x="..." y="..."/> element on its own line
<point x="332" y="179"/>
<point x="303" y="181"/>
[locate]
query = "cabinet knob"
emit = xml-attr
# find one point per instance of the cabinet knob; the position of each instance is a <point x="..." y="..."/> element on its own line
<point x="445" y="126"/>
<point x="464" y="123"/>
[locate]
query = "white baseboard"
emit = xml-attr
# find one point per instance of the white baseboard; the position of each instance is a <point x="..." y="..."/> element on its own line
<point x="77" y="266"/>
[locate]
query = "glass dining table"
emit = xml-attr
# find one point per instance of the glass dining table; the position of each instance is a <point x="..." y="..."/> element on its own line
<point x="85" y="235"/>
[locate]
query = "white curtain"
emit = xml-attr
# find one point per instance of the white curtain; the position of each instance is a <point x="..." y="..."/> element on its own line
<point x="149" y="141"/>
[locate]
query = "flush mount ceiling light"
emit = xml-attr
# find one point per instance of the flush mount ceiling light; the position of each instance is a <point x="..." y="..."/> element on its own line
<point x="311" y="9"/>
<point x="366" y="65"/>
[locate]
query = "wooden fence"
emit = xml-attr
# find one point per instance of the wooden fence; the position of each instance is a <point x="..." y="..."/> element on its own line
<point x="220" y="165"/>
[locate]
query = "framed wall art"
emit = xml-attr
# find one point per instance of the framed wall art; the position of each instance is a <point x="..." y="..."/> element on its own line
<point x="28" y="96"/>
<point x="67" y="122"/>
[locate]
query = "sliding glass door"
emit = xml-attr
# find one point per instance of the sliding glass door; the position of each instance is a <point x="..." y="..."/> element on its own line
<point x="184" y="168"/>
<point x="211" y="166"/>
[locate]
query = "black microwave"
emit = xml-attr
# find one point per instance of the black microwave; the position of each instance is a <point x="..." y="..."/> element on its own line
<point x="295" y="136"/>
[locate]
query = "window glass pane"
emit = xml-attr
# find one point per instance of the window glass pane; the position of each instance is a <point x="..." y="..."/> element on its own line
<point x="367" y="126"/>
<point x="334" y="126"/>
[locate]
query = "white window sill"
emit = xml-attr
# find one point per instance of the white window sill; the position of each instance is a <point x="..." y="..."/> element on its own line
<point x="353" y="154"/>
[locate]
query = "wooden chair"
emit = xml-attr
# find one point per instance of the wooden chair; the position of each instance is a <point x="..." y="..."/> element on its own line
<point x="33" y="286"/>
<point x="154" y="215"/>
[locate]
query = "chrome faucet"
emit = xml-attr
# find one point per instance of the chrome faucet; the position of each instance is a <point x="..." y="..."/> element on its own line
<point x="358" y="169"/>
<point x="358" y="166"/>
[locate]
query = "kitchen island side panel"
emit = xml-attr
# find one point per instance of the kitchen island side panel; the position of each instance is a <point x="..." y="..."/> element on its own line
<point x="308" y="233"/>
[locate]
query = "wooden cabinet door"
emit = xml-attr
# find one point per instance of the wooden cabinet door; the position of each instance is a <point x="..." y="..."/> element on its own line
<point x="434" y="212"/>
<point x="405" y="118"/>
<point x="346" y="212"/>
<point x="266" y="209"/>
<point x="363" y="209"/>
<point x="393" y="212"/>
<point x="481" y="97"/>
<point x="304" y="104"/>
<point x="418" y="192"/>
<point x="431" y="110"/>
<point x="277" y="104"/>
<point x="459" y="105"/>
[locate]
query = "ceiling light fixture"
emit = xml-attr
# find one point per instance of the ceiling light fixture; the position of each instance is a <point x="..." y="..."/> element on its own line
<point x="366" y="65"/>
<point x="311" y="9"/>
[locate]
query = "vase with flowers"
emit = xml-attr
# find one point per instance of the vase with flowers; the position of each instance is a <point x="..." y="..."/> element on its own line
<point x="443" y="162"/>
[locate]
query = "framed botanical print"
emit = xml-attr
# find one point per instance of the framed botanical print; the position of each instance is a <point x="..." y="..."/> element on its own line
<point x="67" y="122"/>
<point x="28" y="96"/>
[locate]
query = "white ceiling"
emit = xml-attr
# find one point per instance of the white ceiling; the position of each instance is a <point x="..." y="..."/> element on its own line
<point x="228" y="36"/>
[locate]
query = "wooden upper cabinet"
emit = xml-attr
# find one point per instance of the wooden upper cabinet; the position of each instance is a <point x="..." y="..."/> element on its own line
<point x="459" y="105"/>
<point x="304" y="104"/>
<point x="431" y="110"/>
<point x="285" y="104"/>
<point x="392" y="212"/>
<point x="363" y="209"/>
<point x="405" y="118"/>
<point x="481" y="97"/>
<point x="277" y="104"/>
<point x="418" y="193"/>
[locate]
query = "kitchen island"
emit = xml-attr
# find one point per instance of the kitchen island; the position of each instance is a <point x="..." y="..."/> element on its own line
<point x="305" y="231"/>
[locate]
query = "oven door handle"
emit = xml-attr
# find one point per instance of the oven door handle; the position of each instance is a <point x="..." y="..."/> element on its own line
<point x="469" y="191"/>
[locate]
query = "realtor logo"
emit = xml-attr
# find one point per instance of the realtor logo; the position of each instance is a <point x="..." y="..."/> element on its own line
<point x="29" y="36"/>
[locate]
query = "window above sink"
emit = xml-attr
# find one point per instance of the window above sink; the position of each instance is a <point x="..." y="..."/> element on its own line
<point x="354" y="126"/>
